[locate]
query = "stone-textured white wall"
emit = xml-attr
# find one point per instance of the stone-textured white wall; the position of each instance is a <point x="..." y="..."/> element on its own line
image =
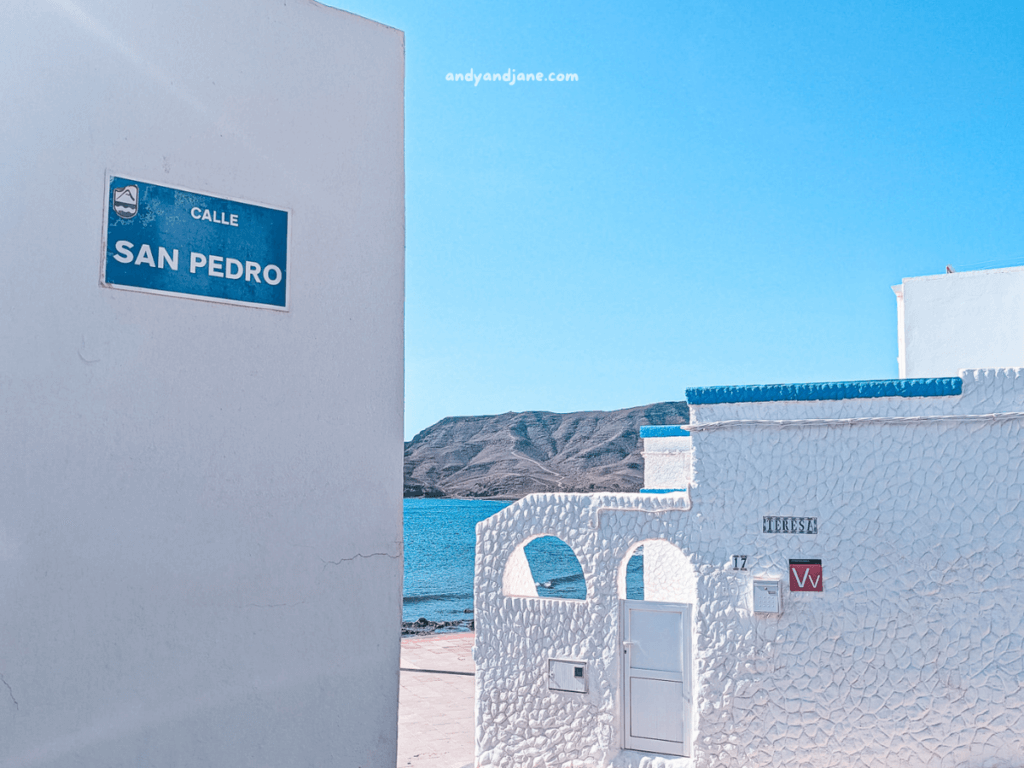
<point x="913" y="654"/>
<point x="668" y="574"/>
<point x="519" y="721"/>
<point x="962" y="320"/>
<point x="200" y="504"/>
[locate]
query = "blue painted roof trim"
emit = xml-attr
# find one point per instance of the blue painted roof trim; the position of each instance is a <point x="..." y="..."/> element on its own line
<point x="662" y="490"/>
<point x="663" y="431"/>
<point x="830" y="390"/>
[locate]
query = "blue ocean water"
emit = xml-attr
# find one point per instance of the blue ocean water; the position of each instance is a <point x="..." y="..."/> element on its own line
<point x="440" y="547"/>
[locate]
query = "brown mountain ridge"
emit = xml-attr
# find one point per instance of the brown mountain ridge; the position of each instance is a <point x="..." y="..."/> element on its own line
<point x="512" y="454"/>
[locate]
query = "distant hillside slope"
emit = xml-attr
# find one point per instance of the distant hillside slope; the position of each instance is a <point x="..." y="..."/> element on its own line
<point x="513" y="454"/>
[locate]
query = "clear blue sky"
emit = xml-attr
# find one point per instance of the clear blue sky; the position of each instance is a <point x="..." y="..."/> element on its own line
<point x="724" y="197"/>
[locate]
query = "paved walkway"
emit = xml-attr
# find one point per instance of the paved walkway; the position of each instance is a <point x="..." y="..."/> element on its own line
<point x="435" y="705"/>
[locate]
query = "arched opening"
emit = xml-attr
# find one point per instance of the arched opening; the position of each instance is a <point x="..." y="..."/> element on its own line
<point x="656" y="569"/>
<point x="635" y="574"/>
<point x="544" y="566"/>
<point x="657" y="585"/>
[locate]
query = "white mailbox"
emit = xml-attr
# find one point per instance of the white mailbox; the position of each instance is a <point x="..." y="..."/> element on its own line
<point x="767" y="596"/>
<point x="567" y="675"/>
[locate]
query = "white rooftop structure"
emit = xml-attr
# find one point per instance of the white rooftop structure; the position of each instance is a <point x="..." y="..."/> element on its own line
<point x="960" y="320"/>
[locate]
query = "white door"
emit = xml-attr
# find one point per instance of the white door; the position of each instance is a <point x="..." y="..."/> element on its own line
<point x="657" y="684"/>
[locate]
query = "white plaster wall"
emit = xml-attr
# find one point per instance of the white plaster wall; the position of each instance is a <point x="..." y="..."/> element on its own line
<point x="667" y="462"/>
<point x="901" y="339"/>
<point x="672" y="444"/>
<point x="200" y="522"/>
<point x="962" y="320"/>
<point x="913" y="654"/>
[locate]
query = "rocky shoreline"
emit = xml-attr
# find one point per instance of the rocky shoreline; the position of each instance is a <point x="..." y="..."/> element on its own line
<point x="424" y="626"/>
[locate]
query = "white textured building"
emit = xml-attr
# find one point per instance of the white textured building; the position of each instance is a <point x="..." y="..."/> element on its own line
<point x="911" y="653"/>
<point x="833" y="576"/>
<point x="200" y="447"/>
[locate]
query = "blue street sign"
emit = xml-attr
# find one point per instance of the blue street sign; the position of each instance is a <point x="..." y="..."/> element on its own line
<point x="168" y="240"/>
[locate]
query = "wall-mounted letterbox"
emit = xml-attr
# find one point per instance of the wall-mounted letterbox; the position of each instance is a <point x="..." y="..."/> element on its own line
<point x="568" y="676"/>
<point x="767" y="597"/>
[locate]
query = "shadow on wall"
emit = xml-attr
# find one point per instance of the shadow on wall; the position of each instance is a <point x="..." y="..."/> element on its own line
<point x="657" y="570"/>
<point x="544" y="566"/>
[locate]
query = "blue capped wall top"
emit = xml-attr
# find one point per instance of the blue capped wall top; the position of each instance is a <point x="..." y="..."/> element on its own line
<point x="829" y="390"/>
<point x="663" y="431"/>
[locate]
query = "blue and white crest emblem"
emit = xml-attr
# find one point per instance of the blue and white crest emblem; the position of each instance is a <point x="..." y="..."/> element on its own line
<point x="126" y="201"/>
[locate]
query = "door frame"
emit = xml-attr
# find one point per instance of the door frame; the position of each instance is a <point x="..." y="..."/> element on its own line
<point x="658" y="746"/>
